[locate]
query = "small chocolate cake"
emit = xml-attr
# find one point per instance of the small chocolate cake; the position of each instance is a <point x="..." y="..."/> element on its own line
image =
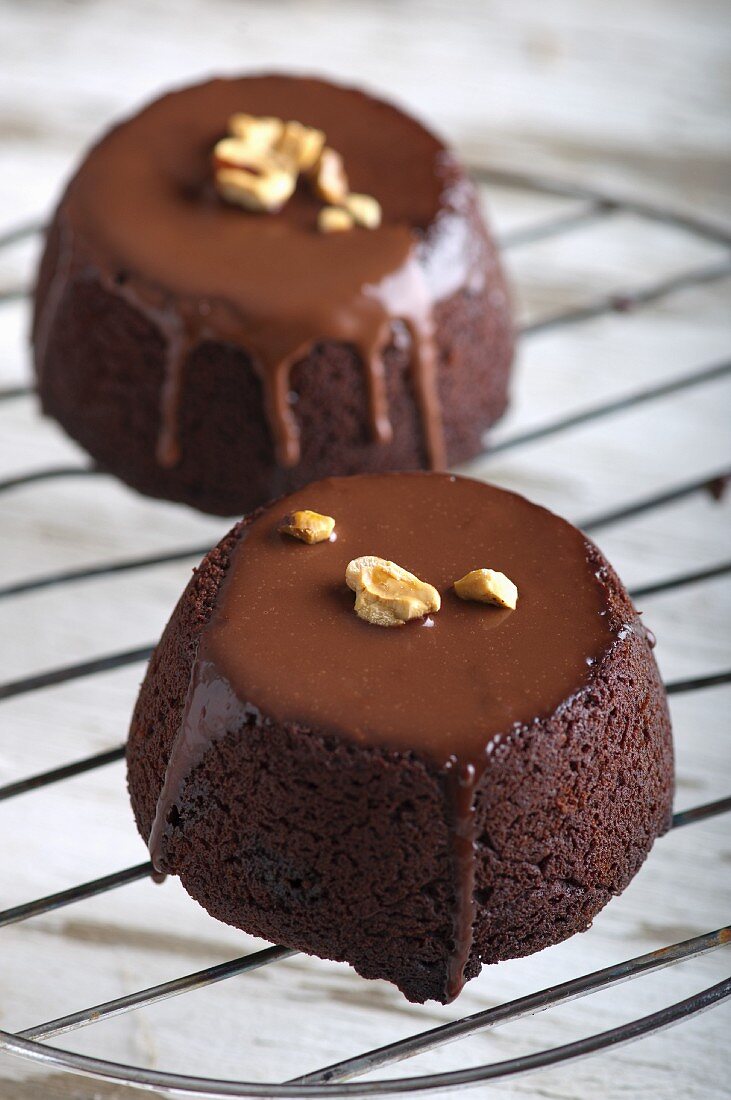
<point x="417" y="798"/>
<point x="220" y="355"/>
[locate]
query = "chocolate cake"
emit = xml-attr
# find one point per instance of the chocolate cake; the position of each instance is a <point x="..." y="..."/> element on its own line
<point x="220" y="355"/>
<point x="417" y="797"/>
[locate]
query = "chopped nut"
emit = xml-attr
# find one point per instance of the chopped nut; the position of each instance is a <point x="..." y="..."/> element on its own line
<point x="300" y="145"/>
<point x="232" y="152"/>
<point x="386" y="594"/>
<point x="237" y="153"/>
<point x="309" y="527"/>
<point x="487" y="586"/>
<point x="330" y="180"/>
<point x="260" y="134"/>
<point x="333" y="219"/>
<point x="364" y="210"/>
<point x="262" y="186"/>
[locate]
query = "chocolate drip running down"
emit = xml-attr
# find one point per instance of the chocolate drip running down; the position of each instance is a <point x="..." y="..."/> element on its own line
<point x="145" y="211"/>
<point x="367" y="325"/>
<point x="451" y="690"/>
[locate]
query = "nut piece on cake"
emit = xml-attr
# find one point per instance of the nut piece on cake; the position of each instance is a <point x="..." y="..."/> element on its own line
<point x="487" y="586"/>
<point x="259" y="133"/>
<point x="234" y="152"/>
<point x="262" y="186"/>
<point x="334" y="219"/>
<point x="364" y="210"/>
<point x="329" y="178"/>
<point x="386" y="594"/>
<point x="302" y="145"/>
<point x="307" y="526"/>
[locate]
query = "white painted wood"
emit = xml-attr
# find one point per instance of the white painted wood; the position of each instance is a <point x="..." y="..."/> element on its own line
<point x="628" y="96"/>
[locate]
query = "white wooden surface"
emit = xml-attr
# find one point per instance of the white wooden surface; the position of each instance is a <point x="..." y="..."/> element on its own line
<point x="627" y="95"/>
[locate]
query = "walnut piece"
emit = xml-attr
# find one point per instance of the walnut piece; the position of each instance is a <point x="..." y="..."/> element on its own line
<point x="386" y="594"/>
<point x="258" y="186"/>
<point x="260" y="134"/>
<point x="333" y="219"/>
<point x="300" y="145"/>
<point x="364" y="210"/>
<point x="487" y="586"/>
<point x="329" y="178"/>
<point x="307" y="526"/>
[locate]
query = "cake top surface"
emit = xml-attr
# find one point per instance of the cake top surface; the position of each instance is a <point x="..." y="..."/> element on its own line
<point x="145" y="198"/>
<point x="285" y="636"/>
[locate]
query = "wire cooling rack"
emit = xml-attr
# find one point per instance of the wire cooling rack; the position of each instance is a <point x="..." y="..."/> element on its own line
<point x="33" y="1042"/>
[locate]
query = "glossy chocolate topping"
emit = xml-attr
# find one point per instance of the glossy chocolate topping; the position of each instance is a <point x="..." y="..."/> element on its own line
<point x="144" y="209"/>
<point x="285" y="643"/>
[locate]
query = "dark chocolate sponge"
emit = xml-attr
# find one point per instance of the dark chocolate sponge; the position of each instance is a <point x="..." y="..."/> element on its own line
<point x="208" y="355"/>
<point x="413" y="801"/>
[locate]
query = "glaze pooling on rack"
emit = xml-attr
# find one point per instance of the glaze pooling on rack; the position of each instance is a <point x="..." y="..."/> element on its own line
<point x="144" y="215"/>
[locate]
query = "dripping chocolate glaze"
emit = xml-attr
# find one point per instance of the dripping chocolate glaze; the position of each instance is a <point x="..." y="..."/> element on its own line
<point x="143" y="204"/>
<point x="284" y="642"/>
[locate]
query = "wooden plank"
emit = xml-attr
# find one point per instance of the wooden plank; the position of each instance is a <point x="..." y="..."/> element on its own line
<point x="629" y="98"/>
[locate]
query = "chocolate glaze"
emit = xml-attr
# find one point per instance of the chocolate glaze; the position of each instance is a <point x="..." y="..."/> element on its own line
<point x="284" y="640"/>
<point x="143" y="209"/>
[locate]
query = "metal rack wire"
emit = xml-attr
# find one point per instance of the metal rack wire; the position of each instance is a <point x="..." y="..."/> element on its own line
<point x="32" y="1043"/>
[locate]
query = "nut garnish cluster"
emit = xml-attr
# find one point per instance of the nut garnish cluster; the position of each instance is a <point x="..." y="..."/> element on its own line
<point x="386" y="594"/>
<point x="257" y="167"/>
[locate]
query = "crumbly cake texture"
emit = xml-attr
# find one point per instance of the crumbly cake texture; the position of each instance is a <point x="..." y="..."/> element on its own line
<point x="254" y="359"/>
<point x="345" y="850"/>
